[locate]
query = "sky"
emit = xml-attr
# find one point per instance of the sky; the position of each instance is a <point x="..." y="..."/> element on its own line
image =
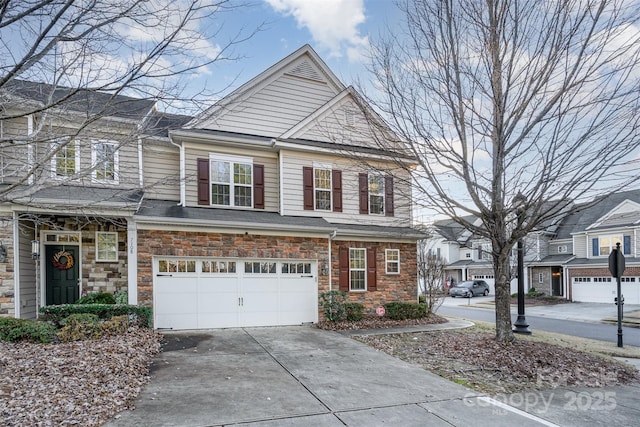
<point x="338" y="30"/>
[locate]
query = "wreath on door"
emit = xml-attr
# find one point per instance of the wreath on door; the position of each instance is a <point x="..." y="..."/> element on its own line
<point x="62" y="260"/>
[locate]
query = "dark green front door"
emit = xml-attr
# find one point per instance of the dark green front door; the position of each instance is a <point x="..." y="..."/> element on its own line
<point x="62" y="274"/>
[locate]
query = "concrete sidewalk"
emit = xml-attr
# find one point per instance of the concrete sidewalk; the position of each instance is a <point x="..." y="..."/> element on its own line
<point x="302" y="376"/>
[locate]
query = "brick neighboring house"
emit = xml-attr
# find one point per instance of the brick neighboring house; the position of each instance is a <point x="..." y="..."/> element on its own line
<point x="241" y="216"/>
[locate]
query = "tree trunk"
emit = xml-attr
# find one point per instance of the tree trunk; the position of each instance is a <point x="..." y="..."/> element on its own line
<point x="502" y="274"/>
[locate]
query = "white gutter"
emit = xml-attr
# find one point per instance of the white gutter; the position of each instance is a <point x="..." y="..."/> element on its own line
<point x="183" y="173"/>
<point x="140" y="173"/>
<point x="281" y="183"/>
<point x="226" y="224"/>
<point x="16" y="268"/>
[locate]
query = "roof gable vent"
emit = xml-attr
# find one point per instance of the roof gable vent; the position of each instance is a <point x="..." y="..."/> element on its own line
<point x="306" y="70"/>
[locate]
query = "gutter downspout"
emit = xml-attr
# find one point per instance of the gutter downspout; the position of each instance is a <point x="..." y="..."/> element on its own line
<point x="183" y="173"/>
<point x="331" y="237"/>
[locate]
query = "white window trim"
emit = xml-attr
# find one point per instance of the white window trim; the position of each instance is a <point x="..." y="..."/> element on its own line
<point x="540" y="277"/>
<point x="54" y="160"/>
<point x="329" y="190"/>
<point x="116" y="162"/>
<point x="612" y="245"/>
<point x="98" y="259"/>
<point x="562" y="249"/>
<point x="358" y="269"/>
<point x="381" y="194"/>
<point x="387" y="261"/>
<point x="214" y="157"/>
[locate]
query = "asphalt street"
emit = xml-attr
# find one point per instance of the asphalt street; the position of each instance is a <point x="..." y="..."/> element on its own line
<point x="596" y="331"/>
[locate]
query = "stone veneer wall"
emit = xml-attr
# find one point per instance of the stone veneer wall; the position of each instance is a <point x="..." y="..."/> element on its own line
<point x="7" y="277"/>
<point x="545" y="286"/>
<point x="401" y="287"/>
<point x="204" y="244"/>
<point x="97" y="276"/>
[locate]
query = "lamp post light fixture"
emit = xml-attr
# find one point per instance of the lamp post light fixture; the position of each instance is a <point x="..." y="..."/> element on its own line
<point x="521" y="325"/>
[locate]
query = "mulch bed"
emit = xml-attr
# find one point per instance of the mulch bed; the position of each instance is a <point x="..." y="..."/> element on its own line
<point x="376" y="322"/>
<point x="480" y="362"/>
<point x="82" y="383"/>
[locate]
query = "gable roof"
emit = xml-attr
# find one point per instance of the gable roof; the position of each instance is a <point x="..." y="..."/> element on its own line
<point x="159" y="123"/>
<point x="303" y="63"/>
<point x="595" y="212"/>
<point x="83" y="100"/>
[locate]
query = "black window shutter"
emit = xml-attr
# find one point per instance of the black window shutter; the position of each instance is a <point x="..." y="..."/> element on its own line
<point x="204" y="192"/>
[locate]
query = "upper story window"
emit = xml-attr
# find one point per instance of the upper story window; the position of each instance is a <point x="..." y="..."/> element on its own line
<point x="376" y="194"/>
<point x="322" y="189"/>
<point x="562" y="249"/>
<point x="104" y="156"/>
<point x="66" y="160"/>
<point x="231" y="182"/>
<point x="603" y="245"/>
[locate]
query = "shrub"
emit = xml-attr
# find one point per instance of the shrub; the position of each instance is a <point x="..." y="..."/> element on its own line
<point x="405" y="310"/>
<point x="121" y="297"/>
<point x="533" y="293"/>
<point x="26" y="330"/>
<point x="79" y="326"/>
<point x="333" y="305"/>
<point x="354" y="311"/>
<point x="97" y="298"/>
<point x="140" y="316"/>
<point x="117" y="325"/>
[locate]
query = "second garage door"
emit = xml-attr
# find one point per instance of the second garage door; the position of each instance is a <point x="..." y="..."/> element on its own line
<point x="195" y="293"/>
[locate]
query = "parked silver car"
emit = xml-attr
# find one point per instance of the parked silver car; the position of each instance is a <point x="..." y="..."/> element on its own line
<point x="469" y="288"/>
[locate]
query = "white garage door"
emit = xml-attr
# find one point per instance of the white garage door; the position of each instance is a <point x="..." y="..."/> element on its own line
<point x="192" y="293"/>
<point x="605" y="289"/>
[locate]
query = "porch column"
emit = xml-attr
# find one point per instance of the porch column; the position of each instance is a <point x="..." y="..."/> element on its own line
<point x="132" y="261"/>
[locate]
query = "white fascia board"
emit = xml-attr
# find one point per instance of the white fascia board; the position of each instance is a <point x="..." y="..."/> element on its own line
<point x="231" y="140"/>
<point x="282" y="145"/>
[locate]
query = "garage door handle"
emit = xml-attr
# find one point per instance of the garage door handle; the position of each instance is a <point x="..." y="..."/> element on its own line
<point x="164" y="275"/>
<point x="241" y="302"/>
<point x="307" y="275"/>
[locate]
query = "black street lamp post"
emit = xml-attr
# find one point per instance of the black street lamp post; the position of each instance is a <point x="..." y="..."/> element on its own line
<point x="521" y="325"/>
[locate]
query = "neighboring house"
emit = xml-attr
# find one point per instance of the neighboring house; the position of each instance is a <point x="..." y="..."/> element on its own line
<point x="568" y="257"/>
<point x="241" y="216"/>
<point x="589" y="236"/>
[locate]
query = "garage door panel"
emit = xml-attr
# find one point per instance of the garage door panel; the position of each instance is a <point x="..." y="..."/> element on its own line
<point x="176" y="321"/>
<point x="222" y="299"/>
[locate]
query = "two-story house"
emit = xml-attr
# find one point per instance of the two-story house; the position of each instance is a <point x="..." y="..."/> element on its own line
<point x="241" y="216"/>
<point x="586" y="239"/>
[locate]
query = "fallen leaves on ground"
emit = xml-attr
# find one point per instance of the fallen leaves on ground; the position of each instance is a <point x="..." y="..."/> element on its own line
<point x="375" y="322"/>
<point x="480" y="362"/>
<point x="79" y="383"/>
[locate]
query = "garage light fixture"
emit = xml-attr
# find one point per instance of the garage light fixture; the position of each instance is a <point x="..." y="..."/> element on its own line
<point x="325" y="267"/>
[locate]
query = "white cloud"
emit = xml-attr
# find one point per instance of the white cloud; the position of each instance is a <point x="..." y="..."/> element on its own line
<point x="333" y="24"/>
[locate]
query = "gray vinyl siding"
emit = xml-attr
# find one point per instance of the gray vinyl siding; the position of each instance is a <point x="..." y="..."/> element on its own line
<point x="27" y="277"/>
<point x="161" y="166"/>
<point x="13" y="155"/>
<point x="581" y="244"/>
<point x="293" y="197"/>
<point x="269" y="160"/>
<point x="275" y="108"/>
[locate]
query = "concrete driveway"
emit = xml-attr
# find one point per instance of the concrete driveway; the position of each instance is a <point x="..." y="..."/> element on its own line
<point x="300" y="376"/>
